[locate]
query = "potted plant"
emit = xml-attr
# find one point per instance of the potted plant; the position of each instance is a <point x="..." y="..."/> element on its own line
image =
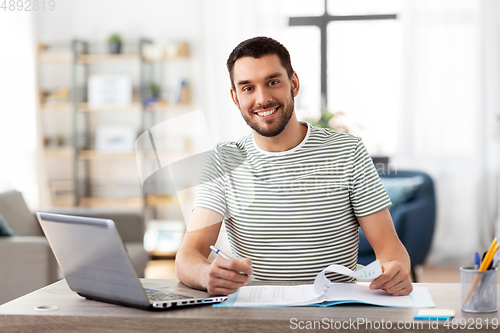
<point x="337" y="121"/>
<point x="60" y="139"/>
<point x="155" y="91"/>
<point x="114" y="44"/>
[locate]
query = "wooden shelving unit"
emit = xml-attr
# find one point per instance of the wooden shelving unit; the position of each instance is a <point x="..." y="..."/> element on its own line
<point x="79" y="151"/>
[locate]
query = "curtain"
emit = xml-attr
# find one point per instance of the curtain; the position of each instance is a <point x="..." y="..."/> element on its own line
<point x="443" y="129"/>
<point x="18" y="134"/>
<point x="490" y="29"/>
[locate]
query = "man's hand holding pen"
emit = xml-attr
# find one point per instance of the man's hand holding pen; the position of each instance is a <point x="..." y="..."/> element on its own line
<point x="227" y="275"/>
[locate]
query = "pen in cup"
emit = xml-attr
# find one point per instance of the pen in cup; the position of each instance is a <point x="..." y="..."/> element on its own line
<point x="477" y="261"/>
<point x="225" y="256"/>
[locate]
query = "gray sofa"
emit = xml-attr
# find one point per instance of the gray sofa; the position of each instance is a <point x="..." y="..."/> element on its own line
<point x="26" y="260"/>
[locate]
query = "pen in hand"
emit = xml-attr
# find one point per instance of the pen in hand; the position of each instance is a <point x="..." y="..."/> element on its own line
<point x="225" y="256"/>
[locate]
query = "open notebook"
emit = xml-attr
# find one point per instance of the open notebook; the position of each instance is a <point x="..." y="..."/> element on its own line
<point x="325" y="293"/>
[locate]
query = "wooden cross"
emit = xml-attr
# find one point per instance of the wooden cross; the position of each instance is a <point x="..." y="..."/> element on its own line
<point x="322" y="23"/>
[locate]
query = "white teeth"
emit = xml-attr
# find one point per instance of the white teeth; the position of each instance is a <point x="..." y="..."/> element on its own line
<point x="267" y="113"/>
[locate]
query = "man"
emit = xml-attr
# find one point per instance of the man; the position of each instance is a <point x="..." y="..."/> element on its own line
<point x="292" y="195"/>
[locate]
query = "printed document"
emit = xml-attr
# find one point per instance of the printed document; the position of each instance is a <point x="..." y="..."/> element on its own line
<point x="325" y="293"/>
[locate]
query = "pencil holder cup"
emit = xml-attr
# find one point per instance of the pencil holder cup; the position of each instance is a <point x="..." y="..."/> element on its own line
<point x="479" y="289"/>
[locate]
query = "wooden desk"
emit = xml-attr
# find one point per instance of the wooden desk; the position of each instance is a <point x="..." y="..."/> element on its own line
<point x="76" y="314"/>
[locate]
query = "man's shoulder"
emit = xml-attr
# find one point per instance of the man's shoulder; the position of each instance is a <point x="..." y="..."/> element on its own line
<point x="233" y="151"/>
<point x="241" y="144"/>
<point x="327" y="136"/>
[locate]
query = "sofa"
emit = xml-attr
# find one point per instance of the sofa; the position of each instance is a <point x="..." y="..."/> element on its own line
<point x="26" y="260"/>
<point x="413" y="213"/>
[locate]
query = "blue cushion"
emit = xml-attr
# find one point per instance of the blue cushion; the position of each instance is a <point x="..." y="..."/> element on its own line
<point x="5" y="230"/>
<point x="401" y="189"/>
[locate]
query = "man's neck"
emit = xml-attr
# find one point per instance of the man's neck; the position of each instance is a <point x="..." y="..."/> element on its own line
<point x="291" y="137"/>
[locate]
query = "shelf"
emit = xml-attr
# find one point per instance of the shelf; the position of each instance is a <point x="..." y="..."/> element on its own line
<point x="136" y="202"/>
<point x="95" y="155"/>
<point x="84" y="107"/>
<point x="67" y="58"/>
<point x="59" y="152"/>
<point x="165" y="106"/>
<point x="68" y="152"/>
<point x="161" y="200"/>
<point x="56" y="106"/>
<point x="55" y="58"/>
<point x="135" y="106"/>
<point x="63" y="201"/>
<point x="107" y="58"/>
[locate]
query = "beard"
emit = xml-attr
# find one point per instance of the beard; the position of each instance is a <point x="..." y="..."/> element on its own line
<point x="280" y="124"/>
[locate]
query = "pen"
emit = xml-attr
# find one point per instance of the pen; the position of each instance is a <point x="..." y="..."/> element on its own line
<point x="477" y="261"/>
<point x="225" y="256"/>
<point x="219" y="252"/>
<point x="496" y="260"/>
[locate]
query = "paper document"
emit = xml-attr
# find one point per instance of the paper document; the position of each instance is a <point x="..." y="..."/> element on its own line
<point x="367" y="273"/>
<point x="325" y="293"/>
<point x="277" y="295"/>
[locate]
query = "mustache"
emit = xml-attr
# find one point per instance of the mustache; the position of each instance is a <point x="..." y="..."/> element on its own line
<point x="267" y="106"/>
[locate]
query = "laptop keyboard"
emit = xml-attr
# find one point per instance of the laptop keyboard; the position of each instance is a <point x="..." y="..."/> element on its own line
<point x="156" y="295"/>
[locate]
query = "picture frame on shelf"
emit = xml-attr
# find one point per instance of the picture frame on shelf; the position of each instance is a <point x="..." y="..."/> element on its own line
<point x="115" y="138"/>
<point x="109" y="90"/>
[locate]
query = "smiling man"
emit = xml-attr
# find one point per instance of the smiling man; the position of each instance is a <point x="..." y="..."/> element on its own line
<point x="292" y="195"/>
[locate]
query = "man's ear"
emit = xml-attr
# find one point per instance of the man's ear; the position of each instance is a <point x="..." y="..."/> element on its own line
<point x="295" y="84"/>
<point x="234" y="97"/>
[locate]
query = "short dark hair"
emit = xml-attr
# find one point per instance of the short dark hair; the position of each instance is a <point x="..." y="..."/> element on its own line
<point x="257" y="47"/>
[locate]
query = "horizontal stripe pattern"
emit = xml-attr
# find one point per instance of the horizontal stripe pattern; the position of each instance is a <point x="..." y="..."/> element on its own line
<point x="293" y="213"/>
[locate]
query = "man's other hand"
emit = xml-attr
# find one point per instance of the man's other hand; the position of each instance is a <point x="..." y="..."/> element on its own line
<point x="395" y="279"/>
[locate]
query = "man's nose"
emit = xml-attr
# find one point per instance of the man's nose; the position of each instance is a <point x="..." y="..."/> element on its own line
<point x="263" y="96"/>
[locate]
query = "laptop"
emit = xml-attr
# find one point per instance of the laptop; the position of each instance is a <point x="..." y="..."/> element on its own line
<point x="96" y="266"/>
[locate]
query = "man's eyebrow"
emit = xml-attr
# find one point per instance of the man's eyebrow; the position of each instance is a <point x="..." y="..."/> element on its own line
<point x="273" y="76"/>
<point x="270" y="76"/>
<point x="242" y="82"/>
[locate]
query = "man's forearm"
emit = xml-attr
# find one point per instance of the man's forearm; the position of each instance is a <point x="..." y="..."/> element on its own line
<point x="379" y="231"/>
<point x="191" y="263"/>
<point x="396" y="252"/>
<point x="191" y="268"/>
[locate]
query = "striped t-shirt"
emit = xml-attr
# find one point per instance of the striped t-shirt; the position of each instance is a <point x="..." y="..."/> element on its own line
<point x="293" y="212"/>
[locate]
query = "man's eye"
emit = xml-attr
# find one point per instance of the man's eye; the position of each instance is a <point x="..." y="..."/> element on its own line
<point x="272" y="83"/>
<point x="246" y="88"/>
